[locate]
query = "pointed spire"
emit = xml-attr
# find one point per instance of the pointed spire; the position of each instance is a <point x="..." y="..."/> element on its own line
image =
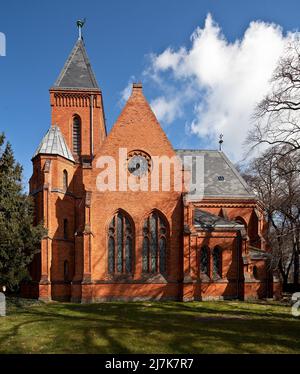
<point x="77" y="72"/>
<point x="54" y="143"/>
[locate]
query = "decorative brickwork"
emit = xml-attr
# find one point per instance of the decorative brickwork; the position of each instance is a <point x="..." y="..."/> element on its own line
<point x="139" y="244"/>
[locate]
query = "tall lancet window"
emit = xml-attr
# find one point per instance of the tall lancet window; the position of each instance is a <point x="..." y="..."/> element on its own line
<point x="120" y="244"/>
<point x="154" y="249"/>
<point x="76" y="135"/>
<point x="217" y="262"/>
<point x="204" y="261"/>
<point x="65" y="180"/>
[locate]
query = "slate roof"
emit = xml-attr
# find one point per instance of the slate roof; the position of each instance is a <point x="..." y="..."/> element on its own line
<point x="209" y="221"/>
<point x="220" y="179"/>
<point x="54" y="143"/>
<point x="77" y="71"/>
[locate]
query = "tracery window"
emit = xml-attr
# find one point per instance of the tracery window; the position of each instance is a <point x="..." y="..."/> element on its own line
<point x="120" y="244"/>
<point x="204" y="260"/>
<point x="154" y="250"/>
<point x="217" y="262"/>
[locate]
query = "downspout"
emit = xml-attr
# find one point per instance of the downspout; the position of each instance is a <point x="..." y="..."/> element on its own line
<point x="238" y="241"/>
<point x="91" y="126"/>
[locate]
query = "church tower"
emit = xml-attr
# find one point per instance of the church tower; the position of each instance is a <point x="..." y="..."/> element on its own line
<point x="77" y="105"/>
<point x="62" y="164"/>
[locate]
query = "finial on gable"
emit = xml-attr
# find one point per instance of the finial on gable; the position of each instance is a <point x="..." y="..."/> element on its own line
<point x="220" y="142"/>
<point x="80" y="23"/>
<point x="137" y="89"/>
<point x="137" y="85"/>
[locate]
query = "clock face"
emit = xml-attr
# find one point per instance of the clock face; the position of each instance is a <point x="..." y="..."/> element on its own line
<point x="138" y="165"/>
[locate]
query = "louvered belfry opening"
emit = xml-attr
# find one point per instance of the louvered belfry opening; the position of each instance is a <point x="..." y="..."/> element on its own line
<point x="76" y="135"/>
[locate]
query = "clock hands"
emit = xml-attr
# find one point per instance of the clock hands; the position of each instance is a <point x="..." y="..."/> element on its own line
<point x="134" y="168"/>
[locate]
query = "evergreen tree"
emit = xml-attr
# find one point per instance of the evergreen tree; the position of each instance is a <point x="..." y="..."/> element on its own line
<point x="19" y="238"/>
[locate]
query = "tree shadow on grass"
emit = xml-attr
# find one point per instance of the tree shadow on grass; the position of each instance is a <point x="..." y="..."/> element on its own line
<point x="149" y="328"/>
<point x="171" y="309"/>
<point x="64" y="329"/>
<point x="226" y="309"/>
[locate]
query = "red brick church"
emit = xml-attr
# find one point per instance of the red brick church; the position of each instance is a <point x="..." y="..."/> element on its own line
<point x="126" y="244"/>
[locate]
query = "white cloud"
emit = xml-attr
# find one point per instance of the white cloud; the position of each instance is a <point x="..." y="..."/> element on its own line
<point x="166" y="110"/>
<point x="168" y="59"/>
<point x="223" y="80"/>
<point x="126" y="92"/>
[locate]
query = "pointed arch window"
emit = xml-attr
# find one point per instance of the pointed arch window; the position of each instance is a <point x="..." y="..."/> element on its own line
<point x="204" y="260"/>
<point x="65" y="180"/>
<point x="241" y="221"/>
<point x="217" y="262"/>
<point x="154" y="250"/>
<point x="76" y="135"/>
<point x="120" y="244"/>
<point x="255" y="272"/>
<point x="253" y="230"/>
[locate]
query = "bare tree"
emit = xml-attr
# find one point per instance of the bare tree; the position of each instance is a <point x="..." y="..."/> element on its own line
<point x="274" y="178"/>
<point x="277" y="116"/>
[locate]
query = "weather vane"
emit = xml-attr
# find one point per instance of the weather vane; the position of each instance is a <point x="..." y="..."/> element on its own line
<point x="80" y="23"/>
<point x="220" y="142"/>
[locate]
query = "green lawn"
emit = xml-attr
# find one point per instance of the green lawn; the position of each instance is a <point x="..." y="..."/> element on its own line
<point x="149" y="327"/>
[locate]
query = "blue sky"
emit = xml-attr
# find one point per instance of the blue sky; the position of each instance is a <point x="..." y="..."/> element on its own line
<point x="120" y="37"/>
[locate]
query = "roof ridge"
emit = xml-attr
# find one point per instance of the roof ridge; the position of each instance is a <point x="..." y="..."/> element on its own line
<point x="237" y="174"/>
<point x="88" y="64"/>
<point x="54" y="138"/>
<point x="60" y="139"/>
<point x="67" y="64"/>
